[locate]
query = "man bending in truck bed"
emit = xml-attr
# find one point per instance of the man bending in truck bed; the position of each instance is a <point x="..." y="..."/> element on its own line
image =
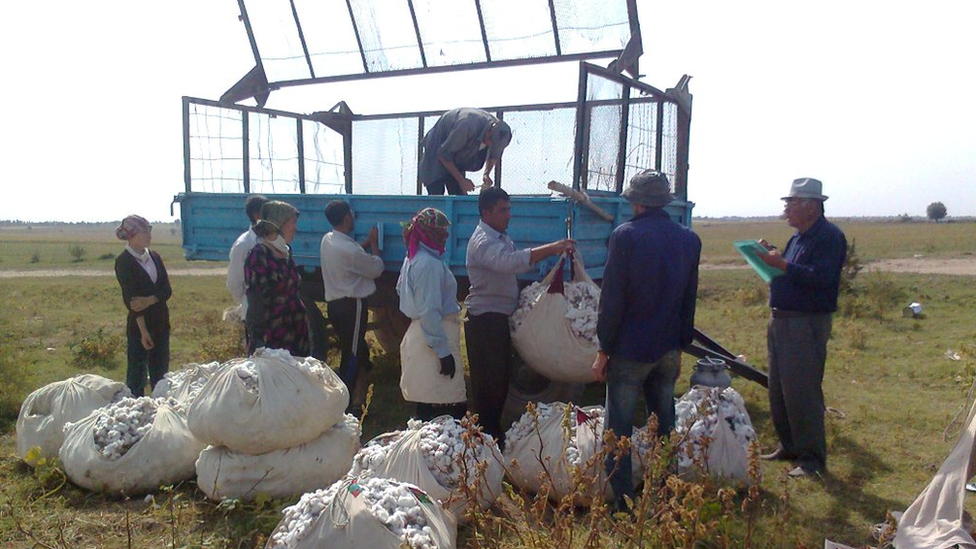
<point x="462" y="140"/>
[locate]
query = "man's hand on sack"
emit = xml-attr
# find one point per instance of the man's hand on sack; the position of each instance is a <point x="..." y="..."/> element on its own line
<point x="600" y="366"/>
<point x="448" y="367"/>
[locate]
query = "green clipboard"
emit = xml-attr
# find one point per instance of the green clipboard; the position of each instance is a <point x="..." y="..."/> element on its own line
<point x="750" y="250"/>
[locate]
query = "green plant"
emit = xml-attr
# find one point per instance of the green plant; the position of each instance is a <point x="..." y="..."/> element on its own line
<point x="751" y="295"/>
<point x="882" y="292"/>
<point x="97" y="350"/>
<point x="222" y="340"/>
<point x="851" y="268"/>
<point x="77" y="253"/>
<point x="105" y="257"/>
<point x="35" y="257"/>
<point x="11" y="390"/>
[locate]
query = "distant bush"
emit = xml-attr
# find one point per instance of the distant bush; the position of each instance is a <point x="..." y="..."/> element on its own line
<point x="753" y="295"/>
<point x="852" y="267"/>
<point x="35" y="257"/>
<point x="105" y="257"/>
<point x="77" y="252"/>
<point x="11" y="385"/>
<point x="97" y="350"/>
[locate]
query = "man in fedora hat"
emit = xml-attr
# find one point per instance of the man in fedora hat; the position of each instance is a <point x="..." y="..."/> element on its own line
<point x="803" y="301"/>
<point x="647" y="315"/>
<point x="462" y="140"/>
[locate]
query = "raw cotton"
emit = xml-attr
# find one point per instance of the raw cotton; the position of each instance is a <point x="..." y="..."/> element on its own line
<point x="184" y="384"/>
<point x="555" y="333"/>
<point x="119" y="426"/>
<point x="583" y="304"/>
<point x="130" y="448"/>
<point x="434" y="456"/>
<point x="705" y="416"/>
<point x="336" y="517"/>
<point x="45" y="411"/>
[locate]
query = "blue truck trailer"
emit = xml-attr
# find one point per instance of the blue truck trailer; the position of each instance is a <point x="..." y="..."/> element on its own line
<point x="617" y="126"/>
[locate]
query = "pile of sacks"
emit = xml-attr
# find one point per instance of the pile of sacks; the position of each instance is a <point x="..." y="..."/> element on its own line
<point x="365" y="511"/>
<point x="434" y="456"/>
<point x="275" y="425"/>
<point x="554" y="327"/>
<point x="552" y="444"/>
<point x="45" y="412"/>
<point x="715" y="432"/>
<point x="130" y="447"/>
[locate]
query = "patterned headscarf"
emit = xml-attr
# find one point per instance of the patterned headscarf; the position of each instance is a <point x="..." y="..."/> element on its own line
<point x="274" y="214"/>
<point x="429" y="227"/>
<point x="131" y="226"/>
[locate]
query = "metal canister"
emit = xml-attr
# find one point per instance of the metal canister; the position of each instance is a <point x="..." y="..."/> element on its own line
<point x="711" y="372"/>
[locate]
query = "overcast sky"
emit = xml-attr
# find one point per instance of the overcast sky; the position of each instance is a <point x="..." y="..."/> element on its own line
<point x="875" y="98"/>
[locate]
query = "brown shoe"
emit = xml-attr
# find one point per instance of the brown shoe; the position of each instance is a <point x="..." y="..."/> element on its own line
<point x="778" y="455"/>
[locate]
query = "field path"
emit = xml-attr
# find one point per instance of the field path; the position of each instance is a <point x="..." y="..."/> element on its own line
<point x="959" y="266"/>
<point x="54" y="273"/>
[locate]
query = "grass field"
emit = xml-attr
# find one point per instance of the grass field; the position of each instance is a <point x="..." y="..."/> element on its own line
<point x="888" y="375"/>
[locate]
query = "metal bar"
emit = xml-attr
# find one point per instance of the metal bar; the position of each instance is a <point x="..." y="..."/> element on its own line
<point x="457" y="68"/>
<point x="622" y="152"/>
<point x="245" y="131"/>
<point x="555" y="27"/>
<point x="681" y="168"/>
<point x="416" y="29"/>
<point x="250" y="34"/>
<point x="301" y="38"/>
<point x="616" y="77"/>
<point x="347" y="158"/>
<point x="187" y="176"/>
<point x="498" y="166"/>
<point x="420" y="151"/>
<point x="301" y="157"/>
<point x="359" y="41"/>
<point x="659" y="138"/>
<point x="578" y="148"/>
<point x="740" y="368"/>
<point x="245" y="108"/>
<point x="484" y="33"/>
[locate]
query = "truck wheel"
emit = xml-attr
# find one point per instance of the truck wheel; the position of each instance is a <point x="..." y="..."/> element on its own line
<point x="394" y="325"/>
<point x="527" y="385"/>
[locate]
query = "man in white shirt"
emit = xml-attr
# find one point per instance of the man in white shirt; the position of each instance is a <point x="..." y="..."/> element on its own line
<point x="348" y="274"/>
<point x="238" y="253"/>
<point x="493" y="262"/>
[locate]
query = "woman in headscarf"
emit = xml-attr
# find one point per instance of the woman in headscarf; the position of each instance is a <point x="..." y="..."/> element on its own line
<point x="145" y="290"/>
<point x="432" y="374"/>
<point x="275" y="313"/>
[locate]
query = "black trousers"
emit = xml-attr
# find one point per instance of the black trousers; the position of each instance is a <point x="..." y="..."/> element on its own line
<point x="489" y="346"/>
<point x="427" y="412"/>
<point x="438" y="186"/>
<point x="797" y="356"/>
<point x="312" y="290"/>
<point x="342" y="315"/>
<point x="155" y="361"/>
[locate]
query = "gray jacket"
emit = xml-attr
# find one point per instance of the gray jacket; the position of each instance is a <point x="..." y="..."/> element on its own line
<point x="457" y="136"/>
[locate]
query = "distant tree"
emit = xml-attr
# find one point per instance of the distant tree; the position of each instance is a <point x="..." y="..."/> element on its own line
<point x="936" y="211"/>
<point x="905" y="218"/>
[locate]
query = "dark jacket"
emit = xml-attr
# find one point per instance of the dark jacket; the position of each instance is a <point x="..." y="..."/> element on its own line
<point x="135" y="282"/>
<point x="812" y="279"/>
<point x="647" y="302"/>
<point x="457" y="136"/>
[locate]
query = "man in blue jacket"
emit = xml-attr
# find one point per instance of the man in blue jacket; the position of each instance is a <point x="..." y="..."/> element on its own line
<point x="647" y="315"/>
<point x="803" y="301"/>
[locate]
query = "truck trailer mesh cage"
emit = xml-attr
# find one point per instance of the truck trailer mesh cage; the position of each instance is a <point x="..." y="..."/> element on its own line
<point x="615" y="129"/>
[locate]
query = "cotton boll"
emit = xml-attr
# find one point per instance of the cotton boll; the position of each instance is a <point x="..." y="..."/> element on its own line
<point x="123" y="424"/>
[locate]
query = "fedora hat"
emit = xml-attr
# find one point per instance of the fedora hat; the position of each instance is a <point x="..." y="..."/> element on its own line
<point x="500" y="134"/>
<point x="649" y="188"/>
<point x="806" y="187"/>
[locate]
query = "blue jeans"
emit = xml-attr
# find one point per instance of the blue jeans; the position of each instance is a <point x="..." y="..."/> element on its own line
<point x="155" y="360"/>
<point x="625" y="380"/>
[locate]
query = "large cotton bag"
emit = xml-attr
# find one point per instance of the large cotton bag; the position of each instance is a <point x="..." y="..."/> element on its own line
<point x="163" y="456"/>
<point x="342" y="517"/>
<point x="270" y="401"/>
<point x="406" y="456"/>
<point x="715" y="433"/>
<point x="44" y="412"/>
<point x="185" y="384"/>
<point x="565" y="441"/>
<point x="544" y="336"/>
<point x="222" y="473"/>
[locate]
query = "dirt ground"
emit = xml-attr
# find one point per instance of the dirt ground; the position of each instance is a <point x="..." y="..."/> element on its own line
<point x="960" y="266"/>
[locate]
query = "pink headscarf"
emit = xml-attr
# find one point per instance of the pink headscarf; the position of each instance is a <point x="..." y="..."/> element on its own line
<point x="131" y="226"/>
<point x="429" y="227"/>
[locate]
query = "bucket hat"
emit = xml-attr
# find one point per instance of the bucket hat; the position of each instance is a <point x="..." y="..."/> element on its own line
<point x="649" y="188"/>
